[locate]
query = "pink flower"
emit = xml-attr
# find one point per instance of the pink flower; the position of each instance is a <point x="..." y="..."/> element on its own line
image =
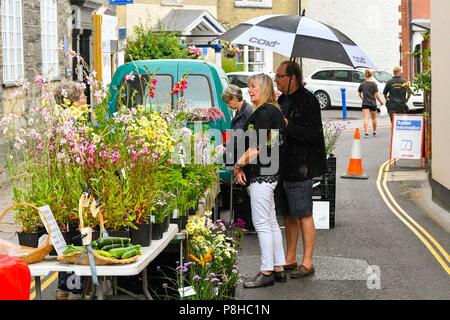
<point x="129" y="77"/>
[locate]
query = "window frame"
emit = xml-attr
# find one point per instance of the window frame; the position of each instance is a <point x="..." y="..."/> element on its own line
<point x="349" y="78"/>
<point x="253" y="4"/>
<point x="49" y="39"/>
<point x="12" y="51"/>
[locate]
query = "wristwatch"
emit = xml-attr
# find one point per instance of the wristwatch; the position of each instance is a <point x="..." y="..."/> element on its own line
<point x="238" y="166"/>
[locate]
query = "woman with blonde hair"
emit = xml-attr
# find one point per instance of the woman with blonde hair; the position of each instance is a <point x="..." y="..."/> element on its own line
<point x="259" y="169"/>
<point x="368" y="92"/>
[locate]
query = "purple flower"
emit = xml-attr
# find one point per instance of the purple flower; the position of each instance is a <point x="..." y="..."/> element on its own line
<point x="165" y="285"/>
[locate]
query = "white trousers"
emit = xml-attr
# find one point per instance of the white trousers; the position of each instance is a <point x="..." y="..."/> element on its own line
<point x="266" y="225"/>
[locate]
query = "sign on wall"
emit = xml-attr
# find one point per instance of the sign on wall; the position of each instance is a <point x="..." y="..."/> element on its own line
<point x="120" y="2"/>
<point x="407" y="136"/>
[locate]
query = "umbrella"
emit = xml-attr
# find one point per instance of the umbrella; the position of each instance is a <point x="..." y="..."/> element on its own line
<point x="298" y="36"/>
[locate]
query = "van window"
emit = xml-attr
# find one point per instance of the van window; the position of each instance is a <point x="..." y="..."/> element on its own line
<point x="163" y="96"/>
<point x="135" y="92"/>
<point x="198" y="93"/>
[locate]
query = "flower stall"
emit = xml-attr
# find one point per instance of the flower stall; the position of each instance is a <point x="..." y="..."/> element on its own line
<point x="129" y="164"/>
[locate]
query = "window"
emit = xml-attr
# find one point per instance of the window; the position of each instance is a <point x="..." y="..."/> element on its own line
<point x="49" y="38"/>
<point x="12" y="40"/>
<point x="133" y="95"/>
<point x="253" y="3"/>
<point x="321" y="75"/>
<point x="358" y="76"/>
<point x="252" y="58"/>
<point x="198" y="92"/>
<point x="163" y="96"/>
<point x="340" y="75"/>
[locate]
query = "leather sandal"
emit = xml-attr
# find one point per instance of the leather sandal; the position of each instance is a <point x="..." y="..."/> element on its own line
<point x="290" y="266"/>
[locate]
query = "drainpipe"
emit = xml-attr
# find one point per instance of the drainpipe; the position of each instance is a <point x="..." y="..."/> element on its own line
<point x="411" y="49"/>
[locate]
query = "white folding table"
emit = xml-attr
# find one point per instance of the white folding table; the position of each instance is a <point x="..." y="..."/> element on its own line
<point x="51" y="264"/>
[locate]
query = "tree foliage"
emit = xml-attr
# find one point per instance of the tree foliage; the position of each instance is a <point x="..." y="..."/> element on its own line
<point x="148" y="44"/>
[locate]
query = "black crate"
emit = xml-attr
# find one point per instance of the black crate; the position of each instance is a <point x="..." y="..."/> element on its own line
<point x="326" y="190"/>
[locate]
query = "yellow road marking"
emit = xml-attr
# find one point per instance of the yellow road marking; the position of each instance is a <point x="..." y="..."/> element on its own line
<point x="381" y="173"/>
<point x="44" y="285"/>
<point x="425" y="232"/>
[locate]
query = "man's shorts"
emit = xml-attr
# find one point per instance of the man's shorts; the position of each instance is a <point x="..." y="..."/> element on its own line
<point x="294" y="198"/>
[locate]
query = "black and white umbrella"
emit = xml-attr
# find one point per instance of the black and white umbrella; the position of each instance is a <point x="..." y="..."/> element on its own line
<point x="298" y="36"/>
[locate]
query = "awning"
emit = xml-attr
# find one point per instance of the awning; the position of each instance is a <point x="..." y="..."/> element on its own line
<point x="421" y="25"/>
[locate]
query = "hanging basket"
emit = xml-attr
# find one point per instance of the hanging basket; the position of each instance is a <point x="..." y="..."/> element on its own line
<point x="28" y="254"/>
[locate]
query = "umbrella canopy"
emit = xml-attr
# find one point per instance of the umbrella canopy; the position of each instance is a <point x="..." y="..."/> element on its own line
<point x="298" y="36"/>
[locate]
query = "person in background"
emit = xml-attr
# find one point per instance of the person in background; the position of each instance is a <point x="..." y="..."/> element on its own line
<point x="259" y="168"/>
<point x="232" y="96"/>
<point x="70" y="286"/>
<point x="368" y="92"/>
<point x="305" y="158"/>
<point x="397" y="93"/>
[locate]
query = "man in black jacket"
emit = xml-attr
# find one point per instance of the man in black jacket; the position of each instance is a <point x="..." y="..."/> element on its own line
<point x="305" y="158"/>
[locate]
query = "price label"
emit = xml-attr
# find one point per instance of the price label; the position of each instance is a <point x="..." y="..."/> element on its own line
<point x="175" y="214"/>
<point x="152" y="219"/>
<point x="56" y="236"/>
<point x="186" y="291"/>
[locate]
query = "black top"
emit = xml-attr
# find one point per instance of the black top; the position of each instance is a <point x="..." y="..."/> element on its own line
<point x="368" y="88"/>
<point x="305" y="151"/>
<point x="396" y="89"/>
<point x="265" y="130"/>
<point x="241" y="117"/>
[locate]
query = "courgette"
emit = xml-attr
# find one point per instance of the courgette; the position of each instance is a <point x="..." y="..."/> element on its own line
<point x="112" y="240"/>
<point x="94" y="244"/>
<point x="130" y="253"/>
<point x="104" y="253"/>
<point x="71" y="248"/>
<point x="118" y="252"/>
<point x="112" y="246"/>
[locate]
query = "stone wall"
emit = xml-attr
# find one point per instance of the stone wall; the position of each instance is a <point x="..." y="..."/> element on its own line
<point x="33" y="58"/>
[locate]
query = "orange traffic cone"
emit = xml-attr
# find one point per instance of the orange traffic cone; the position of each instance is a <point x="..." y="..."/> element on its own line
<point x="355" y="169"/>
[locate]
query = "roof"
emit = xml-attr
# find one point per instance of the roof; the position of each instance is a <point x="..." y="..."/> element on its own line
<point x="188" y="22"/>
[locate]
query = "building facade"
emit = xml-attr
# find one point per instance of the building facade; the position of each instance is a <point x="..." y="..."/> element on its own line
<point x="372" y="24"/>
<point x="440" y="48"/>
<point x="195" y="21"/>
<point x="414" y="21"/>
<point x="33" y="36"/>
<point x="233" y="12"/>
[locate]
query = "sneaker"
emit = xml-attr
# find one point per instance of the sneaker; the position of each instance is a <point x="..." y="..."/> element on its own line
<point x="374" y="133"/>
<point x="61" y="294"/>
<point x="366" y="135"/>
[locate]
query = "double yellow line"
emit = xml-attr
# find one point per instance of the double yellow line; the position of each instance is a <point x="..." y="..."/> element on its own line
<point x="53" y="276"/>
<point x="427" y="239"/>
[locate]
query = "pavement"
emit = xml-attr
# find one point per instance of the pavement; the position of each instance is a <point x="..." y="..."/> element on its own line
<point x="374" y="251"/>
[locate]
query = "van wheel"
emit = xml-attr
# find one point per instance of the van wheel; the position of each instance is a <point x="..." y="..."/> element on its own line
<point x="324" y="99"/>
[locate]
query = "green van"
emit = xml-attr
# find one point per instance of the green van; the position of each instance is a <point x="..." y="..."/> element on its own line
<point x="206" y="83"/>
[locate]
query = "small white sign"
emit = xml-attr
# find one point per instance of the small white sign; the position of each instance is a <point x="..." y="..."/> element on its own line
<point x="321" y="214"/>
<point x="175" y="214"/>
<point x="407" y="136"/>
<point x="186" y="291"/>
<point x="56" y="236"/>
<point x="152" y="218"/>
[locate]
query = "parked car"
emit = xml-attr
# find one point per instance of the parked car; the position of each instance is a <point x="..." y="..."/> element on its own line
<point x="240" y="78"/>
<point x="326" y="84"/>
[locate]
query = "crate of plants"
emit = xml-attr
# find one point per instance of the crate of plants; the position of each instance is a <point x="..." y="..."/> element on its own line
<point x="106" y="251"/>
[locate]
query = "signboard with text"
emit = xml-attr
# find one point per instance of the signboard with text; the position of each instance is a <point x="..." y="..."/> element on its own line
<point x="120" y="2"/>
<point x="407" y="136"/>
